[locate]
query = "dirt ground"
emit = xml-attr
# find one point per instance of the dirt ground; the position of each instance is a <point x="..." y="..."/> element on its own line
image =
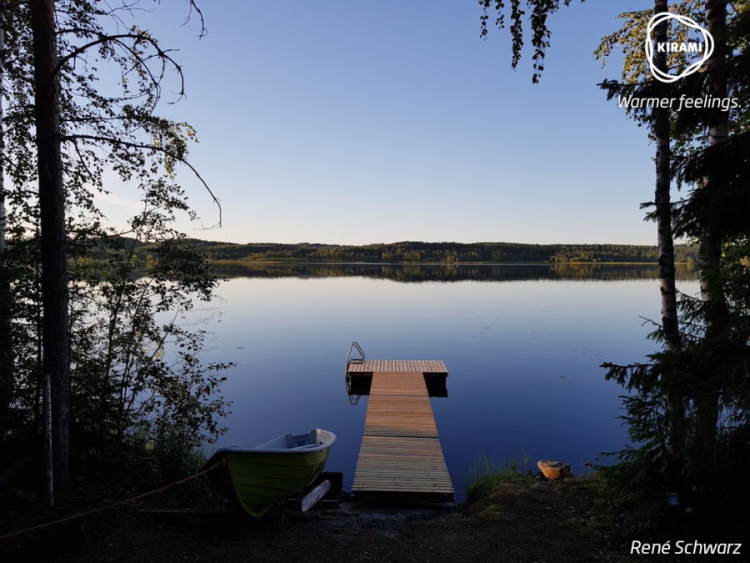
<point x="528" y="520"/>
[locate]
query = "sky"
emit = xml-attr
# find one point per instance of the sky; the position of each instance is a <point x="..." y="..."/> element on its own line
<point x="352" y="122"/>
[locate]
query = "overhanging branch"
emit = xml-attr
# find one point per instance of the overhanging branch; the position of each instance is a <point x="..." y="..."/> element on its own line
<point x="152" y="148"/>
<point x="119" y="39"/>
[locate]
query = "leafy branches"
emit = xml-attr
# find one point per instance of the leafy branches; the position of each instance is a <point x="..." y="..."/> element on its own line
<point x="134" y="369"/>
<point x="688" y="409"/>
<point x="541" y="35"/>
<point x="130" y="352"/>
<point x="175" y="151"/>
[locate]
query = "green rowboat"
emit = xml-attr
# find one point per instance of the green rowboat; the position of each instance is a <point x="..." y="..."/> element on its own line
<point x="260" y="477"/>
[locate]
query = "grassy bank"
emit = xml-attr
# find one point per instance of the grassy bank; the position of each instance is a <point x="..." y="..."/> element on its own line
<point x="513" y="517"/>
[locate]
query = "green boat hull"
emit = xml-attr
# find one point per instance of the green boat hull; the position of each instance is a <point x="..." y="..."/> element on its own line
<point x="260" y="479"/>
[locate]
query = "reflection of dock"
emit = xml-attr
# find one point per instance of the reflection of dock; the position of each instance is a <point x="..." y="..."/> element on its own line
<point x="359" y="375"/>
<point x="400" y="456"/>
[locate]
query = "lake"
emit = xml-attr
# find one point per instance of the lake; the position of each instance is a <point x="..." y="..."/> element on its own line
<point x="523" y="346"/>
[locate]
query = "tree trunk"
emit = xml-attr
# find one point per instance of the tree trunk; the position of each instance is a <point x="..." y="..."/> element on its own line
<point x="711" y="278"/>
<point x="6" y="349"/>
<point x="55" y="330"/>
<point x="662" y="198"/>
<point x="661" y="131"/>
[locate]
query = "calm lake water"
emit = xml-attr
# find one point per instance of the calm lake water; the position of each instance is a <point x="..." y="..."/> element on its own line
<point x="523" y="346"/>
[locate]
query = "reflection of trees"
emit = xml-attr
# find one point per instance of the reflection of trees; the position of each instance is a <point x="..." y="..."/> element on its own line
<point x="415" y="273"/>
<point x="616" y="272"/>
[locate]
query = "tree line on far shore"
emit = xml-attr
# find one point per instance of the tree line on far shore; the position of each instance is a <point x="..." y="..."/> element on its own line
<point x="446" y="252"/>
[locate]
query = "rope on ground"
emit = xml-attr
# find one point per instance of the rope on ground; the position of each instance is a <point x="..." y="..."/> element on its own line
<point x="102" y="509"/>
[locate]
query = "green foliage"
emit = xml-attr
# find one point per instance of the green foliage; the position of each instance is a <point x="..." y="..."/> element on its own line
<point x="689" y="132"/>
<point x="687" y="411"/>
<point x="716" y="365"/>
<point x="163" y="456"/>
<point x="629" y="39"/>
<point x="442" y="252"/>
<point x="136" y="374"/>
<point x="144" y="462"/>
<point x="486" y="474"/>
<point x="647" y="465"/>
<point x="135" y="366"/>
<point x="540" y="32"/>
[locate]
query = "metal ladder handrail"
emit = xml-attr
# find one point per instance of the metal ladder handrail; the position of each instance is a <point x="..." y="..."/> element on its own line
<point x="350" y="360"/>
<point x="353" y="399"/>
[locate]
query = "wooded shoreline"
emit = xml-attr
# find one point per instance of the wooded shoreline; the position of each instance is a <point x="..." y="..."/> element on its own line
<point x="426" y="263"/>
<point x="412" y="252"/>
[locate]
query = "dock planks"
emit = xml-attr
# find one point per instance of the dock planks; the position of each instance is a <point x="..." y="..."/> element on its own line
<point x="400" y="455"/>
<point x="428" y="367"/>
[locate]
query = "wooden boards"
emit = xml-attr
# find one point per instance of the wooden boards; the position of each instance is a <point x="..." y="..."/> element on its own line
<point x="401" y="465"/>
<point x="398" y="366"/>
<point x="400" y="456"/>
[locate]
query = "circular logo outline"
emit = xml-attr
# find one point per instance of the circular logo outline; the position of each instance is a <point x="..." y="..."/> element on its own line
<point x="665" y="77"/>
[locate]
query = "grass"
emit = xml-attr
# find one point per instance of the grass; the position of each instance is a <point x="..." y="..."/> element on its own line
<point x="487" y="474"/>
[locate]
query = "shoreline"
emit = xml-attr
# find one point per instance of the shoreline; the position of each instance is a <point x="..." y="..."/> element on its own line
<point x="354" y="263"/>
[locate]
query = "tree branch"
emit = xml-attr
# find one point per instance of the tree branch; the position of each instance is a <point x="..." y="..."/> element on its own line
<point x="152" y="148"/>
<point x="119" y="40"/>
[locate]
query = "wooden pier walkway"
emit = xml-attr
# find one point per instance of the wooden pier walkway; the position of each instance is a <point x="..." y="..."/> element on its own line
<point x="400" y="456"/>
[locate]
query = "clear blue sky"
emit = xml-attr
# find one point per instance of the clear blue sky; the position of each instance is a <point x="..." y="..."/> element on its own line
<point x="343" y="121"/>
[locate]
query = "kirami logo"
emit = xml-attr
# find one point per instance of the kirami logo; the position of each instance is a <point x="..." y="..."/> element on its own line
<point x="705" y="48"/>
<point x="689" y="47"/>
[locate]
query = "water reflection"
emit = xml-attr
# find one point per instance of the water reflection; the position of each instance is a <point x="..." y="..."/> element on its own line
<point x="414" y="273"/>
<point x="358" y="386"/>
<point x="523" y="349"/>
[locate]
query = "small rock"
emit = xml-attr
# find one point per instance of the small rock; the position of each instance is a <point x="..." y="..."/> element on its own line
<point x="553" y="469"/>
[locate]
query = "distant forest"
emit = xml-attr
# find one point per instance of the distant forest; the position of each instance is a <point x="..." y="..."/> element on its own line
<point x="440" y="252"/>
<point x="433" y="272"/>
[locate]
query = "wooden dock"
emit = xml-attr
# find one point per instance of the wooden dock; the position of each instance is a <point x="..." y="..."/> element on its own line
<point x="368" y="367"/>
<point x="400" y="456"/>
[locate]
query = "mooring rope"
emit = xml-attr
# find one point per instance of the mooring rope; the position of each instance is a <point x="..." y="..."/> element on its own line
<point x="102" y="509"/>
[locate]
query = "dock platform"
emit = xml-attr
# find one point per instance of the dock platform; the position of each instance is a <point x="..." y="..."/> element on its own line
<point x="368" y="367"/>
<point x="400" y="457"/>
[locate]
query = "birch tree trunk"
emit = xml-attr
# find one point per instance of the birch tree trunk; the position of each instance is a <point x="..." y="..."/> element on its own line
<point x="6" y="350"/>
<point x="711" y="279"/>
<point x="55" y="329"/>
<point x="662" y="198"/>
<point x="661" y="131"/>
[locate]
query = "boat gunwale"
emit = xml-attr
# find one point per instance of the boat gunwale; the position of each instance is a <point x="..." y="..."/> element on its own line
<point x="296" y="450"/>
